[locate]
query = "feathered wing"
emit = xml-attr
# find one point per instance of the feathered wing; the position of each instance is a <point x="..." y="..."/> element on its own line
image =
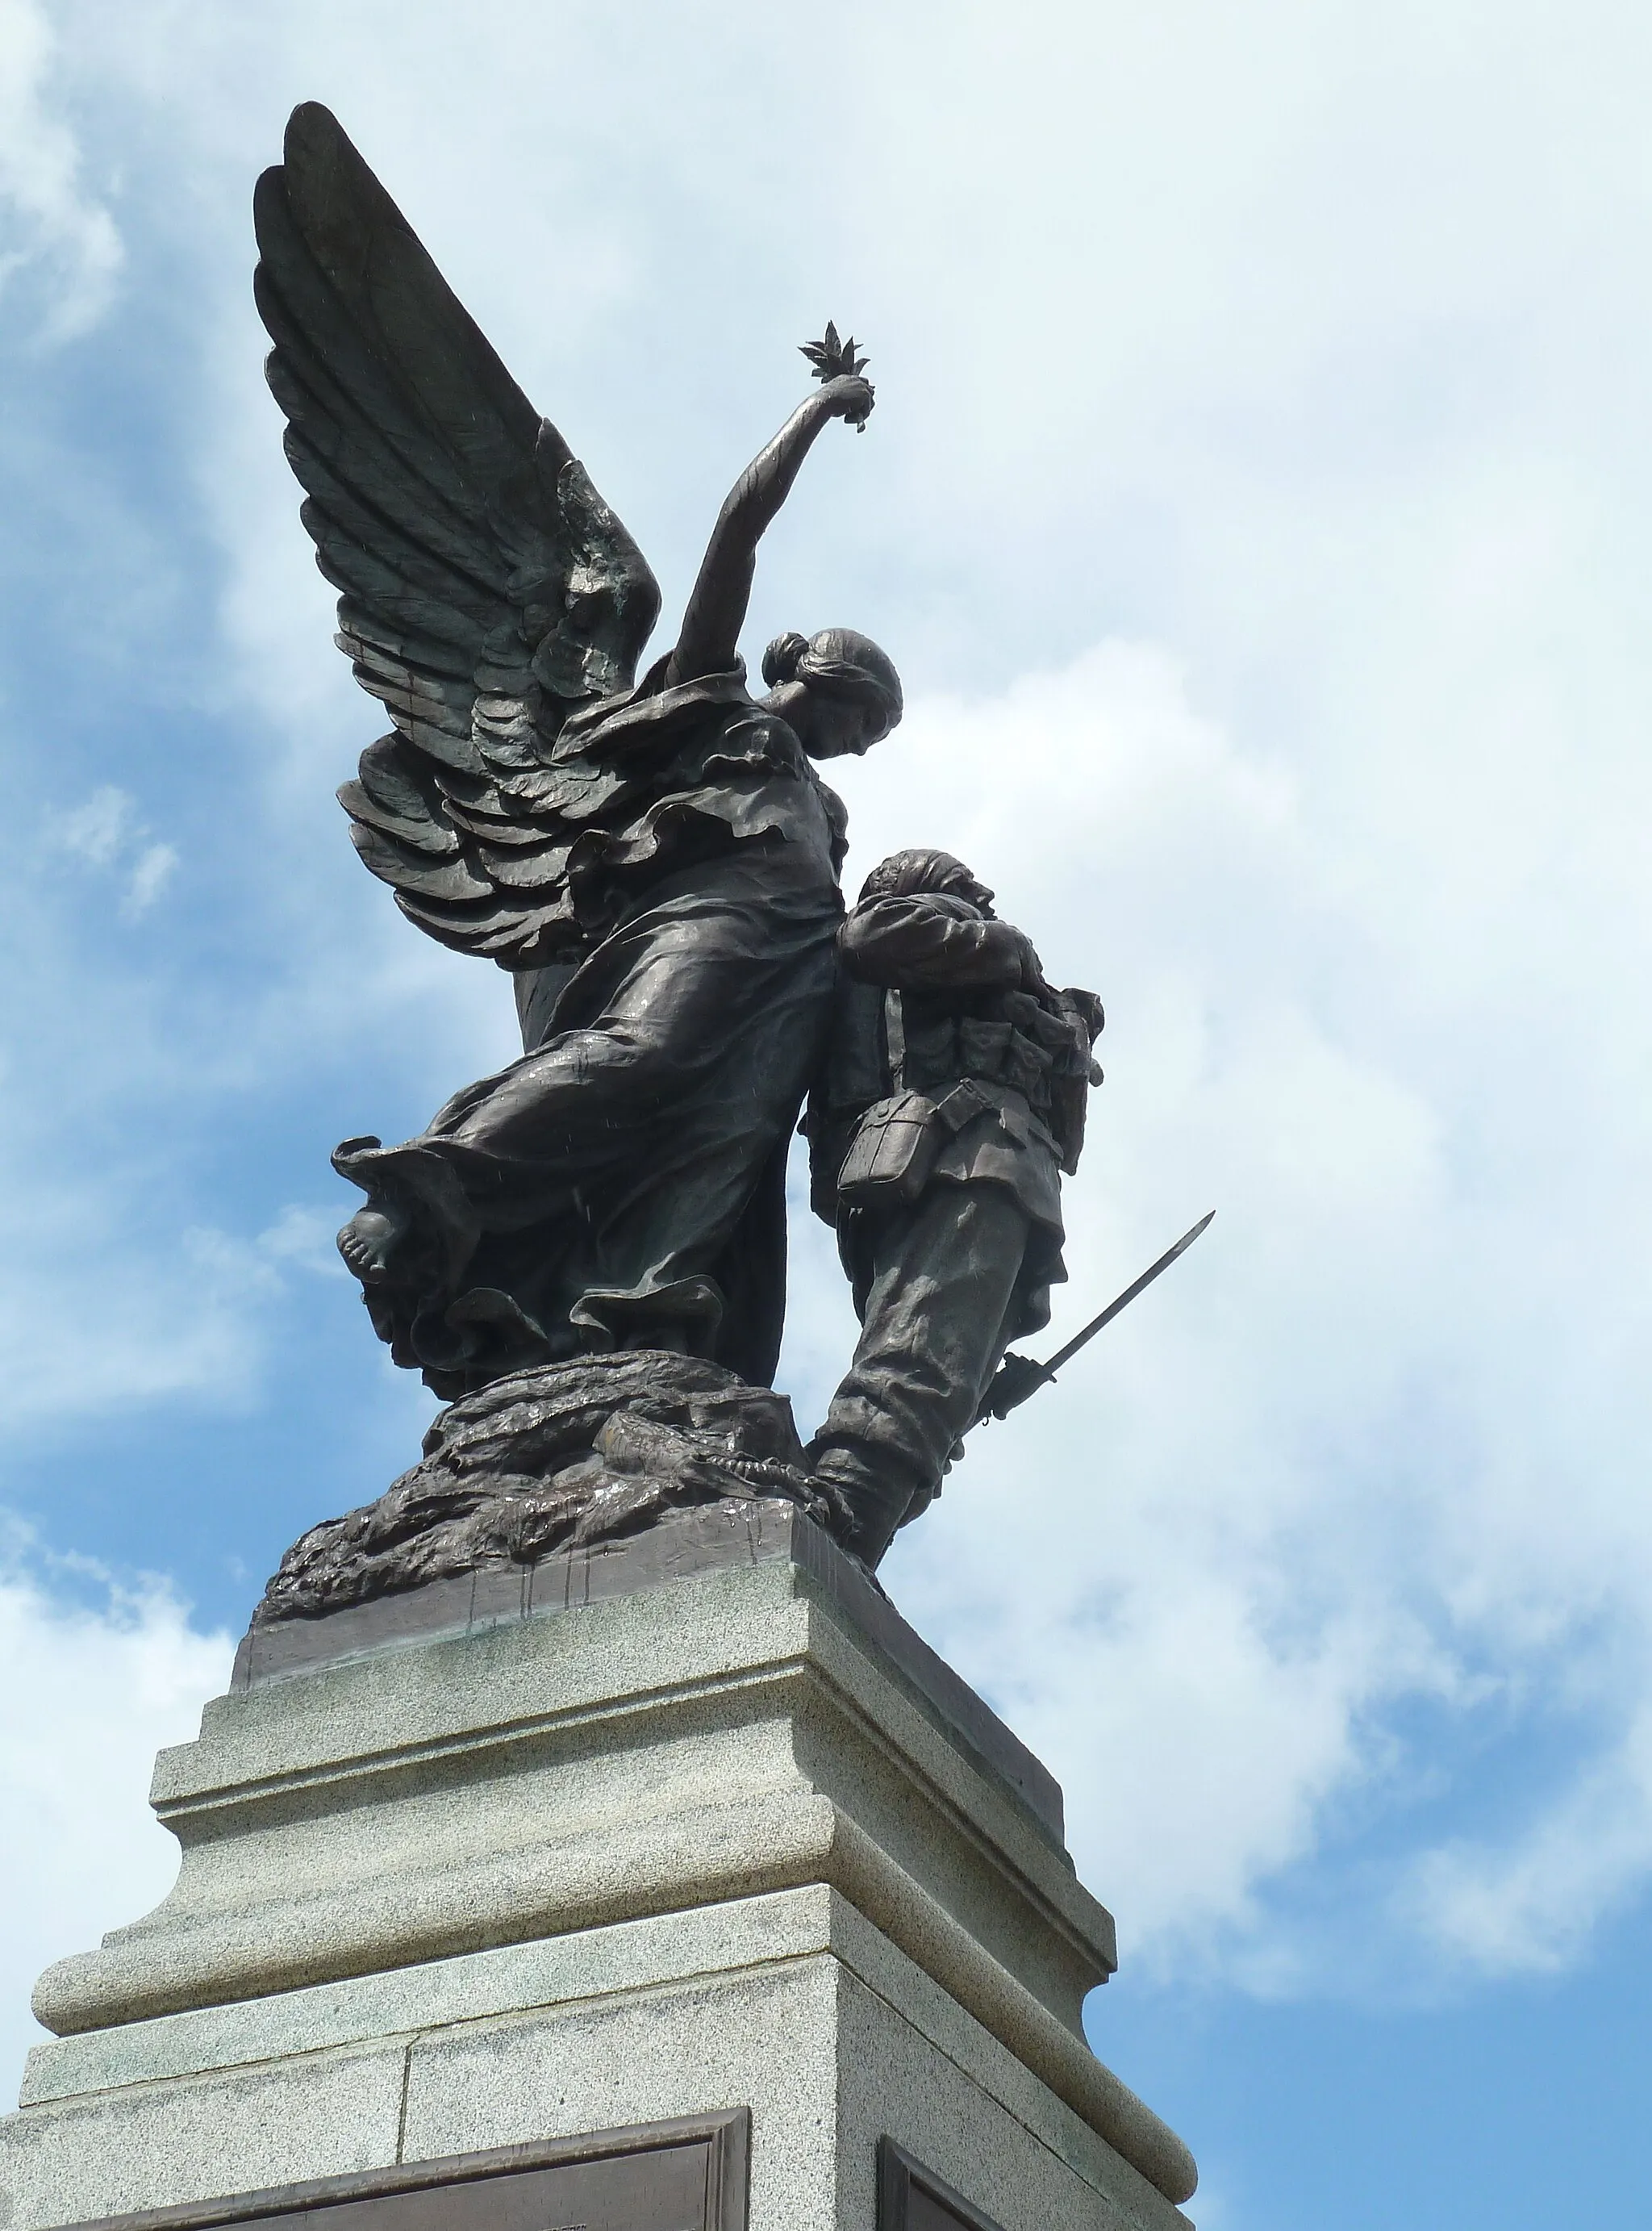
<point x="486" y="588"/>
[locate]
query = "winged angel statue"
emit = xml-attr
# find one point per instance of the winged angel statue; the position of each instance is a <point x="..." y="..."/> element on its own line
<point x="655" y="862"/>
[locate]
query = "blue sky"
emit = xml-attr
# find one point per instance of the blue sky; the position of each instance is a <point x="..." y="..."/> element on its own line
<point x="1256" y="506"/>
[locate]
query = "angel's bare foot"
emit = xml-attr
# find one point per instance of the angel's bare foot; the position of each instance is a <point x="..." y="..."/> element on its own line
<point x="370" y="1241"/>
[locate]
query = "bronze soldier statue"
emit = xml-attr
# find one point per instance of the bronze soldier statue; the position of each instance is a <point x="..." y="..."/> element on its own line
<point x="952" y="1100"/>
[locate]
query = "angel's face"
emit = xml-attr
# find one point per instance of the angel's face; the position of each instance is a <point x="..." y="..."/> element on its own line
<point x="832" y="727"/>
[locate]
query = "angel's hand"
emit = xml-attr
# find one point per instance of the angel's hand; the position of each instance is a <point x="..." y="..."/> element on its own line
<point x="847" y="396"/>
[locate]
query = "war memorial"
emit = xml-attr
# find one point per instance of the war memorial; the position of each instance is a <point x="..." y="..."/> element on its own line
<point x="585" y="1842"/>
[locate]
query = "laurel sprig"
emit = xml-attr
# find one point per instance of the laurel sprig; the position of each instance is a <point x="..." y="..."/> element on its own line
<point x="833" y="359"/>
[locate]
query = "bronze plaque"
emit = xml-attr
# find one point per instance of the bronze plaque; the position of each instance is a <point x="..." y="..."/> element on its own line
<point x="688" y="2176"/>
<point x="913" y="2198"/>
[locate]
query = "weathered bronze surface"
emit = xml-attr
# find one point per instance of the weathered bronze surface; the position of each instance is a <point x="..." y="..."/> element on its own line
<point x="664" y="849"/>
<point x="688" y="2175"/>
<point x="656" y="862"/>
<point x="952" y="1099"/>
<point x="564" y="1457"/>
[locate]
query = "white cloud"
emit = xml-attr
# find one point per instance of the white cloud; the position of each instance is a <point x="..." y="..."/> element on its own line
<point x="110" y="1314"/>
<point x="107" y="832"/>
<point x="306" y="1238"/>
<point x="1280" y="1498"/>
<point x="88" y="1692"/>
<point x="51" y="230"/>
<point x="1530" y="1903"/>
<point x="152" y="872"/>
<point x="300" y="1239"/>
<point x="97" y="830"/>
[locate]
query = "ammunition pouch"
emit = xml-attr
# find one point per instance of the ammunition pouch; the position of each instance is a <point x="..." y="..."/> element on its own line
<point x="898" y="1141"/>
<point x="894" y="1148"/>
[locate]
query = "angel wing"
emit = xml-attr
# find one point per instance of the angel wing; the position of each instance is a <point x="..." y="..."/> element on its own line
<point x="486" y="589"/>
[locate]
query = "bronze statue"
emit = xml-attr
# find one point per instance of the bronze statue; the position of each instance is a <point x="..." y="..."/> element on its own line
<point x="953" y="1099"/>
<point x="655" y="862"/>
<point x="585" y="1254"/>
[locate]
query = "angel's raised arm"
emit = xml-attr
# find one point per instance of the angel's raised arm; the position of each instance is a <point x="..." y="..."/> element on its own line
<point x="716" y="613"/>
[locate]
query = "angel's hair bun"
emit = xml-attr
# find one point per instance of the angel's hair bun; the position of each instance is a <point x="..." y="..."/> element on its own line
<point x="841" y="662"/>
<point x="782" y="657"/>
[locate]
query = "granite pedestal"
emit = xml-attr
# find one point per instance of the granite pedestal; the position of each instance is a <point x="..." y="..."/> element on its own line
<point x="691" y="1832"/>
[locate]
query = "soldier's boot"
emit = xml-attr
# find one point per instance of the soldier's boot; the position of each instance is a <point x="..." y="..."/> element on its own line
<point x="878" y="1491"/>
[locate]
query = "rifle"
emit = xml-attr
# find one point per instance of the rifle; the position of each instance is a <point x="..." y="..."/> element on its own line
<point x="1019" y="1377"/>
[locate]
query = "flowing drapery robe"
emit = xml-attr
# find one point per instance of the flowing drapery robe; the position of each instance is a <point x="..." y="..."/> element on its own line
<point x="625" y="1178"/>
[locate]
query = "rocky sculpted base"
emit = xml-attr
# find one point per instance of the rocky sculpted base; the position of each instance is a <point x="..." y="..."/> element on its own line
<point x="559" y="1458"/>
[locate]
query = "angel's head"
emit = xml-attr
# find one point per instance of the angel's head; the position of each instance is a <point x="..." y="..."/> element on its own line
<point x="836" y="690"/>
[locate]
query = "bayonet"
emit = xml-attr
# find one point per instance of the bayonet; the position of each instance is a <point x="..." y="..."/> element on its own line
<point x="1019" y="1377"/>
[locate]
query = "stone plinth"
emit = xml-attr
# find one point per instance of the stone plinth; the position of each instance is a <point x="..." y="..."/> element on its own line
<point x="686" y="1825"/>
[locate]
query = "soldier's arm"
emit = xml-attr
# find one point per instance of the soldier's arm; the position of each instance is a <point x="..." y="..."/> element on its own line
<point x="930" y="941"/>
